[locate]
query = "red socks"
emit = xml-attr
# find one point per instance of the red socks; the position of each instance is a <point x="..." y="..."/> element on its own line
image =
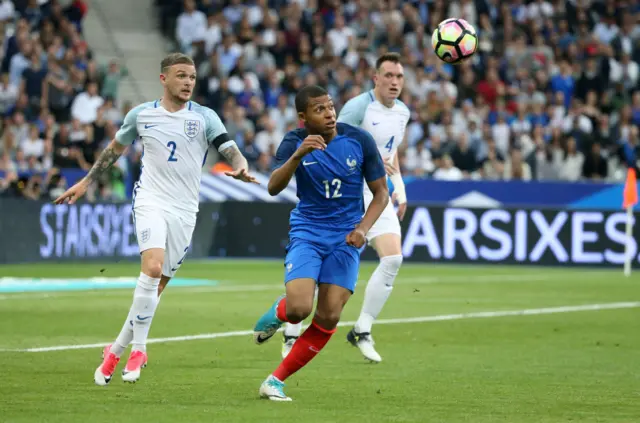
<point x="306" y="347"/>
<point x="281" y="310"/>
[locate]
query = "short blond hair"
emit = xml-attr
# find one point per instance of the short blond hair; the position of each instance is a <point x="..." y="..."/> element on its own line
<point x="175" y="59"/>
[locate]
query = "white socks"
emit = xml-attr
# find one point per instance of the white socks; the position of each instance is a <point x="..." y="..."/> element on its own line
<point x="124" y="337"/>
<point x="136" y="328"/>
<point x="292" y="329"/>
<point x="145" y="301"/>
<point x="377" y="292"/>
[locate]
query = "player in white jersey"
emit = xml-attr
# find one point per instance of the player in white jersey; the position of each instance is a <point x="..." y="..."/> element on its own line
<point x="176" y="135"/>
<point x="384" y="116"/>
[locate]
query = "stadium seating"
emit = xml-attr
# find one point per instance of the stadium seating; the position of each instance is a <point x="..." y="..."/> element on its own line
<point x="552" y="93"/>
<point x="549" y="96"/>
<point x="56" y="100"/>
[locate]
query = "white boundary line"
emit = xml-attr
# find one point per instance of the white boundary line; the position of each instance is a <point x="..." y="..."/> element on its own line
<point x="423" y="319"/>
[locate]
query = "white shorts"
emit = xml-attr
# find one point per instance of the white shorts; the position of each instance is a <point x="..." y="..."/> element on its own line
<point x="387" y="223"/>
<point x="156" y="228"/>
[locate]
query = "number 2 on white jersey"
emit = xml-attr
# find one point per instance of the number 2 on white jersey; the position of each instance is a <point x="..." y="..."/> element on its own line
<point x="336" y="192"/>
<point x="172" y="145"/>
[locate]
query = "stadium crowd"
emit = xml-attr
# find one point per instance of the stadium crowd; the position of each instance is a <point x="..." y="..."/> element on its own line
<point x="58" y="104"/>
<point x="552" y="94"/>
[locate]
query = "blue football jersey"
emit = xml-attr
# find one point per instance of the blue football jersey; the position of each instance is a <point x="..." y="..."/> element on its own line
<point x="330" y="182"/>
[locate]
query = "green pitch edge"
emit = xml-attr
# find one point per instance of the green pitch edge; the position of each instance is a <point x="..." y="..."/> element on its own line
<point x="9" y="284"/>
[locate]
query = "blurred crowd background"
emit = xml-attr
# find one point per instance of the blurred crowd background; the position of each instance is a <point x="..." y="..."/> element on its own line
<point x="59" y="106"/>
<point x="552" y="94"/>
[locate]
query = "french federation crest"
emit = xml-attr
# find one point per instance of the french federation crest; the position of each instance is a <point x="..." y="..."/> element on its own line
<point x="352" y="163"/>
<point x="191" y="128"/>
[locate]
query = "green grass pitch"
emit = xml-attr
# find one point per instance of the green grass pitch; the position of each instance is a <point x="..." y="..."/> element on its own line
<point x="562" y="366"/>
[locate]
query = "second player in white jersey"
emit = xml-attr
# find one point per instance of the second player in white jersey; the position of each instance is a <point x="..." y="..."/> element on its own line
<point x="387" y="125"/>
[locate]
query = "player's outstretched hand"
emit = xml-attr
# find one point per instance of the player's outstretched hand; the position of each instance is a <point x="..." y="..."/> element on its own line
<point x="242" y="175"/>
<point x="356" y="238"/>
<point x="73" y="194"/>
<point x="312" y="142"/>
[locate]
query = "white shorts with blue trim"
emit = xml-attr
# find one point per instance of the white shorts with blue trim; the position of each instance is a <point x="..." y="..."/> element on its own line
<point x="387" y="223"/>
<point x="157" y="228"/>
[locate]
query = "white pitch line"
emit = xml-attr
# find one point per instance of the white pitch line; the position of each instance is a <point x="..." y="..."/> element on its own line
<point x="422" y="319"/>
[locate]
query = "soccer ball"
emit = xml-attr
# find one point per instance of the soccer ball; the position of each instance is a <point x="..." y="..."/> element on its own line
<point x="454" y="40"/>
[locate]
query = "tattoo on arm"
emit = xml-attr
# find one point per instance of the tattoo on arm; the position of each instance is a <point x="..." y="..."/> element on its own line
<point x="234" y="157"/>
<point x="107" y="158"/>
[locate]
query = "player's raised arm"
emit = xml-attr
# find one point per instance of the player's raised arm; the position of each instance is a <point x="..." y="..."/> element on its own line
<point x="107" y="158"/>
<point x="288" y="158"/>
<point x="375" y="177"/>
<point x="218" y="137"/>
<point x="124" y="137"/>
<point x="239" y="164"/>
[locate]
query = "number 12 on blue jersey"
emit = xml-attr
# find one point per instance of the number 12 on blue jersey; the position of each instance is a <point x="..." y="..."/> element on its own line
<point x="336" y="183"/>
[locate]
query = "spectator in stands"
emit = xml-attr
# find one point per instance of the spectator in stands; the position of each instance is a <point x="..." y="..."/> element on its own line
<point x="7" y="10"/>
<point x="33" y="81"/>
<point x="515" y="168"/>
<point x="191" y="26"/>
<point x="572" y="162"/>
<point x="110" y="77"/>
<point x="58" y="92"/>
<point x="546" y="74"/>
<point x="269" y="138"/>
<point x="86" y="104"/>
<point x="284" y="113"/>
<point x="238" y="124"/>
<point x="418" y="160"/>
<point x="33" y="145"/>
<point x="595" y="166"/>
<point x="448" y="172"/>
<point x="8" y="93"/>
<point x="463" y="157"/>
<point x="492" y="165"/>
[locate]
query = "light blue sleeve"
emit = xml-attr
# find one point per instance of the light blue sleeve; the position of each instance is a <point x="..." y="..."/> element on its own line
<point x="215" y="131"/>
<point x="353" y="111"/>
<point x="404" y="106"/>
<point x="128" y="132"/>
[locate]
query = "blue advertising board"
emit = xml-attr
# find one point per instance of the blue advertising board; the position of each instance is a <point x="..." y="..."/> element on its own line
<point x="487" y="194"/>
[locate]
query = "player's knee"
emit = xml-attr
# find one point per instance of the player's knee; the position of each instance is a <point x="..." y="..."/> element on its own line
<point x="153" y="268"/>
<point x="391" y="264"/>
<point x="327" y="319"/>
<point x="298" y="312"/>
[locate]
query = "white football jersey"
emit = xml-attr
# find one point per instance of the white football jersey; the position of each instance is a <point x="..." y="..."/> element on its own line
<point x="386" y="125"/>
<point x="175" y="147"/>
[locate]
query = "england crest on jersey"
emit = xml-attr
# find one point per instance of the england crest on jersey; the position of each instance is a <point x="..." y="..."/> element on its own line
<point x="191" y="128"/>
